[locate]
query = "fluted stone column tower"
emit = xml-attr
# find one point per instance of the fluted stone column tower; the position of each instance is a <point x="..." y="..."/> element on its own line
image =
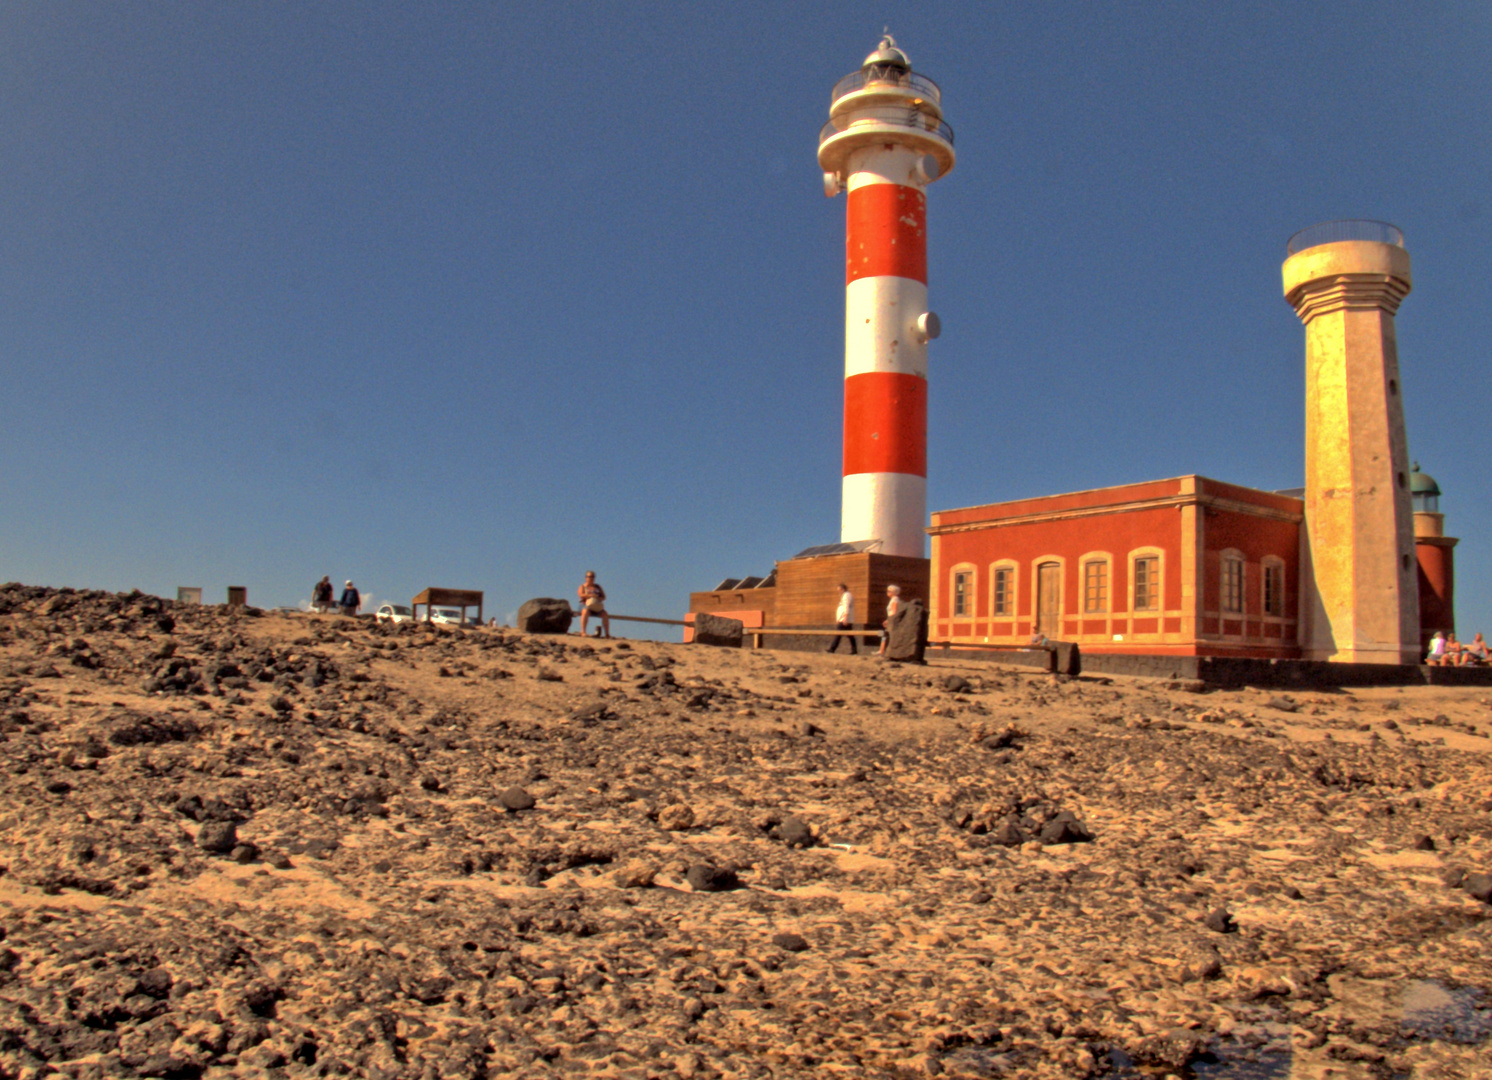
<point x="1359" y="598"/>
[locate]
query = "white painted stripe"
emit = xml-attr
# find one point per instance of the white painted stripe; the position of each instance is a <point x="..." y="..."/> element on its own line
<point x="883" y="165"/>
<point x="880" y="334"/>
<point x="890" y="507"/>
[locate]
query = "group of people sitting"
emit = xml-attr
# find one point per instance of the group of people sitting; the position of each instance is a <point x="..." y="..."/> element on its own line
<point x="1446" y="651"/>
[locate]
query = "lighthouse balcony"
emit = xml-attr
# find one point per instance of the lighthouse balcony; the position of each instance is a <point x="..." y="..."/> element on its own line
<point x="882" y="77"/>
<point x="885" y="124"/>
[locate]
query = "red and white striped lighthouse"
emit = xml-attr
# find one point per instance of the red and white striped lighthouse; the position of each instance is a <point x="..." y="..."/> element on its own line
<point x="884" y="143"/>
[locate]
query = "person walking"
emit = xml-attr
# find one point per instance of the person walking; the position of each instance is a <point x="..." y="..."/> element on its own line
<point x="844" y="619"/>
<point x="321" y="595"/>
<point x="593" y="602"/>
<point x="893" y="605"/>
<point x="351" y="600"/>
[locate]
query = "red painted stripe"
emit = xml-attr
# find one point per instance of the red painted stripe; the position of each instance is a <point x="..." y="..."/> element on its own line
<point x="886" y="233"/>
<point x="885" y="423"/>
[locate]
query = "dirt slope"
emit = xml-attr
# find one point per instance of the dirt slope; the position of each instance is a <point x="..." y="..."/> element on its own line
<point x="241" y="845"/>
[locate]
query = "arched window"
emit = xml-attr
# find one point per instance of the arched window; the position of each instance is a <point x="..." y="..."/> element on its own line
<point x="961" y="590"/>
<point x="1231" y="584"/>
<point x="1003" y="580"/>
<point x="1145" y="565"/>
<point x="1095" y="581"/>
<point x="1272" y="581"/>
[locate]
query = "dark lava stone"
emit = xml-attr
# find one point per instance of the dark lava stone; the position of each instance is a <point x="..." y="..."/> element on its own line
<point x="515" y="799"/>
<point x="1220" y="921"/>
<point x="321" y="849"/>
<point x="1479" y="886"/>
<point x="260" y="998"/>
<point x="156" y="982"/>
<point x="1453" y="877"/>
<point x="706" y="877"/>
<point x="795" y="832"/>
<point x="1008" y="834"/>
<point x="1064" y="829"/>
<point x="280" y="861"/>
<point x="957" y="684"/>
<point x="218" y="836"/>
<point x="1424" y="843"/>
<point x="790" y="942"/>
<point x="215" y="809"/>
<point x="245" y="853"/>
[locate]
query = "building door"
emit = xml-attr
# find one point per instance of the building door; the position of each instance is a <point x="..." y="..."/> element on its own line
<point x="1049" y="599"/>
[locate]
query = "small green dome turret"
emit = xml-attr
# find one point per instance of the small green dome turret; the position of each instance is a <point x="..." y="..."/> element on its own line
<point x="1424" y="492"/>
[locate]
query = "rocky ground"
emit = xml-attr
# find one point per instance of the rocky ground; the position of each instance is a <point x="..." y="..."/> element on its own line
<point x="244" y="845"/>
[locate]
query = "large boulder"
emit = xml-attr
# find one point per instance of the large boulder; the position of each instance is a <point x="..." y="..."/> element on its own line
<point x="1066" y="658"/>
<point x="714" y="630"/>
<point x="907" y="633"/>
<point x="545" y="615"/>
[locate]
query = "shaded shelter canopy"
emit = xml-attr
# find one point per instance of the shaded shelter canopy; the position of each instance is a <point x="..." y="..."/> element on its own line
<point x="457" y="598"/>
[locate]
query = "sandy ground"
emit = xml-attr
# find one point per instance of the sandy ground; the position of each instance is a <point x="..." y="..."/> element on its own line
<point x="304" y="846"/>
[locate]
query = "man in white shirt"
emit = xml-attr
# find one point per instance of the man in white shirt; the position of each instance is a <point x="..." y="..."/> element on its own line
<point x="844" y="619"/>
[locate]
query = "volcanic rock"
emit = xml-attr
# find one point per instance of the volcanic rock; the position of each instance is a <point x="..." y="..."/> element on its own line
<point x="1220" y="921"/>
<point x="217" y="836"/>
<point x="676" y="817"/>
<point x="907" y="633"/>
<point x="794" y="832"/>
<point x="707" y="877"/>
<point x="715" y="630"/>
<point x="515" y="798"/>
<point x="545" y="615"/>
<point x="1064" y="828"/>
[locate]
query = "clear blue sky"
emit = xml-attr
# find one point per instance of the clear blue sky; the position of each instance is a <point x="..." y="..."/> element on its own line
<point x="484" y="295"/>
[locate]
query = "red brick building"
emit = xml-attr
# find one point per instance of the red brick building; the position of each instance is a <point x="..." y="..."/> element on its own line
<point x="1186" y="566"/>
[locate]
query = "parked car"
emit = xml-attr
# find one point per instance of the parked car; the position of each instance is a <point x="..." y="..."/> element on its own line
<point x="451" y="616"/>
<point x="395" y="613"/>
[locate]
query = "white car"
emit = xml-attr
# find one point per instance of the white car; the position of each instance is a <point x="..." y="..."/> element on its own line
<point x="395" y="613"/>
<point x="450" y="616"/>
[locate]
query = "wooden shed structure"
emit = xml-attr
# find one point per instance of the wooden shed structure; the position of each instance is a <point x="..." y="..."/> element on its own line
<point x="453" y="598"/>
<point x="802" y="592"/>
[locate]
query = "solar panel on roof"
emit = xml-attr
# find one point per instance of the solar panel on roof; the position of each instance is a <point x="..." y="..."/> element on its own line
<point x="748" y="583"/>
<point x="769" y="581"/>
<point x="728" y="583"/>
<point x="849" y="548"/>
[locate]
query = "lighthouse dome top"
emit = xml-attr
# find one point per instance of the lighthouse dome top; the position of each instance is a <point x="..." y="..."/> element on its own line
<point x="887" y="54"/>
